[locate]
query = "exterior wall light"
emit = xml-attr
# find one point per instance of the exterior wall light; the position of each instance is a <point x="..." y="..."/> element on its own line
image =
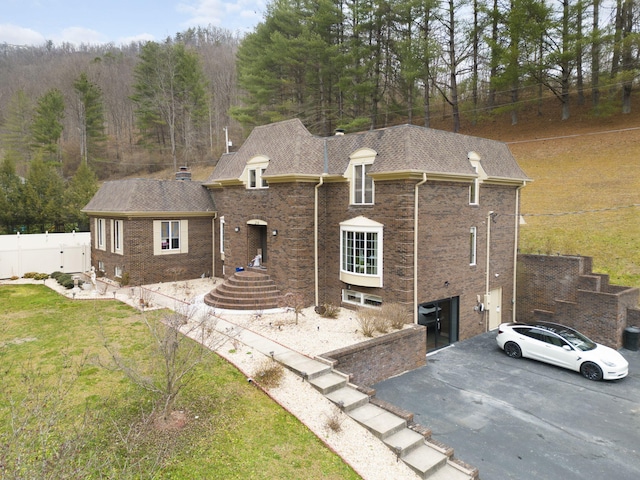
<point x="274" y="232"/>
<point x="237" y="229"/>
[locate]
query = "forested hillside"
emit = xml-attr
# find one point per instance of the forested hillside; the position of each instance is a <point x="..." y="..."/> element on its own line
<point x="352" y="64"/>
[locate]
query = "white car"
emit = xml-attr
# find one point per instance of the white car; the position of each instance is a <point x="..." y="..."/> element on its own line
<point x="561" y="346"/>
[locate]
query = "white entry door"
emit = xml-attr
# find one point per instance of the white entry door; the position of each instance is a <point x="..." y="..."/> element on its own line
<point x="495" y="308"/>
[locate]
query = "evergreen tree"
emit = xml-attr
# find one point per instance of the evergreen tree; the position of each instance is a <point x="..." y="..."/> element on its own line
<point x="90" y="118"/>
<point x="11" y="212"/>
<point x="170" y="93"/>
<point x="47" y="123"/>
<point x="43" y="197"/>
<point x="80" y="190"/>
<point x="16" y="131"/>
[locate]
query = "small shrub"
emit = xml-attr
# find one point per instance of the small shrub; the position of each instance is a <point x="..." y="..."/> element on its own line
<point x="334" y="422"/>
<point x="381" y="323"/>
<point x="65" y="280"/>
<point x="125" y="279"/>
<point x="56" y="274"/>
<point x="41" y="276"/>
<point x="397" y="315"/>
<point x="14" y="277"/>
<point x="366" y="318"/>
<point x="30" y="275"/>
<point x="330" y="310"/>
<point x="269" y="373"/>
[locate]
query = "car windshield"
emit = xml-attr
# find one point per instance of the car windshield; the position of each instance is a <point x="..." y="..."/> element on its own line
<point x="576" y="339"/>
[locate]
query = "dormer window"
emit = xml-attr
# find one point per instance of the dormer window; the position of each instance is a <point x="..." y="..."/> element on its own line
<point x="254" y="172"/>
<point x="480" y="175"/>
<point x="362" y="187"/>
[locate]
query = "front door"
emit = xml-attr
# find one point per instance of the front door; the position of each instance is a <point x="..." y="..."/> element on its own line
<point x="441" y="319"/>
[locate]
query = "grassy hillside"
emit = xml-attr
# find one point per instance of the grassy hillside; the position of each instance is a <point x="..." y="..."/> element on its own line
<point x="585" y="194"/>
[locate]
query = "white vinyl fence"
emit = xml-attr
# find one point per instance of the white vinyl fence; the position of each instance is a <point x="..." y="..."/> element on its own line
<point x="44" y="253"/>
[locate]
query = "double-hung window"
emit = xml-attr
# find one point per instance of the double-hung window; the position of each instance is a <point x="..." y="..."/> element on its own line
<point x="170" y="235"/>
<point x="362" y="185"/>
<point x="359" y="174"/>
<point x="117" y="236"/>
<point x="101" y="234"/>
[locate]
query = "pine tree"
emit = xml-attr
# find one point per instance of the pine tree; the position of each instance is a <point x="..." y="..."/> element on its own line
<point x="90" y="118"/>
<point x="47" y="123"/>
<point x="80" y="190"/>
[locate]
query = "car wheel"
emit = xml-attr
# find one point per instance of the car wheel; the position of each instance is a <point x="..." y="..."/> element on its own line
<point x="591" y="371"/>
<point x="512" y="350"/>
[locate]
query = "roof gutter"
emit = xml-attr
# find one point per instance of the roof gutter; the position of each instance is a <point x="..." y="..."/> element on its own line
<point x="415" y="248"/>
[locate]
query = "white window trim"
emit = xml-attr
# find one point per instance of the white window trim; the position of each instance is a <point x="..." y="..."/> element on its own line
<point x="360" y="158"/>
<point x="363" y="225"/>
<point x="481" y="175"/>
<point x="117" y="236"/>
<point x="473" y="246"/>
<point x="157" y="237"/>
<point x="101" y="233"/>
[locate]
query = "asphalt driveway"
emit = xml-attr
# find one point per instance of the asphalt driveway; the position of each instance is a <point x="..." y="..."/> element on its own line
<point x="521" y="419"/>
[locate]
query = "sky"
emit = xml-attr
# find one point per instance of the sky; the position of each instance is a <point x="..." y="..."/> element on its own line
<point x="33" y="22"/>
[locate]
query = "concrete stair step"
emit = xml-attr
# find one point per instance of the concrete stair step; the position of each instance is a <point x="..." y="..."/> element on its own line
<point x="303" y="366"/>
<point x="404" y="441"/>
<point x="329" y="382"/>
<point x="348" y="398"/>
<point x="425" y="461"/>
<point x="451" y="472"/>
<point x="378" y="421"/>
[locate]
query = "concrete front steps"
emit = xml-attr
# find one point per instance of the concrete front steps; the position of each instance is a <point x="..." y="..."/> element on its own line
<point x="250" y="289"/>
<point x="426" y="458"/>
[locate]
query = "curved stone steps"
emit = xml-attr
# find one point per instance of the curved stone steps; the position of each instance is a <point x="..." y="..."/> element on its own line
<point x="245" y="290"/>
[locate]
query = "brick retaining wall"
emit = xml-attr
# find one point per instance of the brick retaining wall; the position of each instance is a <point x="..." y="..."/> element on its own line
<point x="374" y="360"/>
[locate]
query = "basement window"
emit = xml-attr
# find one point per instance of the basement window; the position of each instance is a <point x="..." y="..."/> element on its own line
<point x="362" y="299"/>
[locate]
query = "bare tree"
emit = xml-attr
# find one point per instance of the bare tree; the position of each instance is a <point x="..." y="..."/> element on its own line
<point x="179" y="343"/>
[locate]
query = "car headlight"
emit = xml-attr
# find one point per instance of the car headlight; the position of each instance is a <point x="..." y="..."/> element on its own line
<point x="608" y="363"/>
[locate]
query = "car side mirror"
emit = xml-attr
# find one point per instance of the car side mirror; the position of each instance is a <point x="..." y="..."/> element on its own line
<point x="567" y="348"/>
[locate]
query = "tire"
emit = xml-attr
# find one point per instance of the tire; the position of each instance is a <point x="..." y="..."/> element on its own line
<point x="512" y="349"/>
<point x="591" y="371"/>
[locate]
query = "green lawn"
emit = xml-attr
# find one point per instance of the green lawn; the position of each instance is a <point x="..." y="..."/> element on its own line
<point x="64" y="416"/>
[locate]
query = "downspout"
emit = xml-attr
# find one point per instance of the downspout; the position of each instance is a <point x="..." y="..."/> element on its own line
<point x="487" y="287"/>
<point x="415" y="248"/>
<point x="515" y="251"/>
<point x="315" y="226"/>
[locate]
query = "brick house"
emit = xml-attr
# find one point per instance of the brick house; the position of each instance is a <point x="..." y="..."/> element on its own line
<point x="150" y="231"/>
<point x="425" y="218"/>
<point x="406" y="214"/>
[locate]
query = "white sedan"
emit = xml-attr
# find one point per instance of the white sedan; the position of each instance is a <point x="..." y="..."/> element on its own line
<point x="561" y="346"/>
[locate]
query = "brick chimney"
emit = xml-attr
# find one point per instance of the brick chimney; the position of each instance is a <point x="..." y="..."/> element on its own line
<point x="183" y="174"/>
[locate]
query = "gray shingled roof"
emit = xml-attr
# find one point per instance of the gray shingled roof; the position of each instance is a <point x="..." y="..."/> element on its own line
<point x="292" y="150"/>
<point x="151" y="196"/>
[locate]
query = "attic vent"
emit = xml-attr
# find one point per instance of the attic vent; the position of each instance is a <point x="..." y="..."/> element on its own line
<point x="183" y="174"/>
